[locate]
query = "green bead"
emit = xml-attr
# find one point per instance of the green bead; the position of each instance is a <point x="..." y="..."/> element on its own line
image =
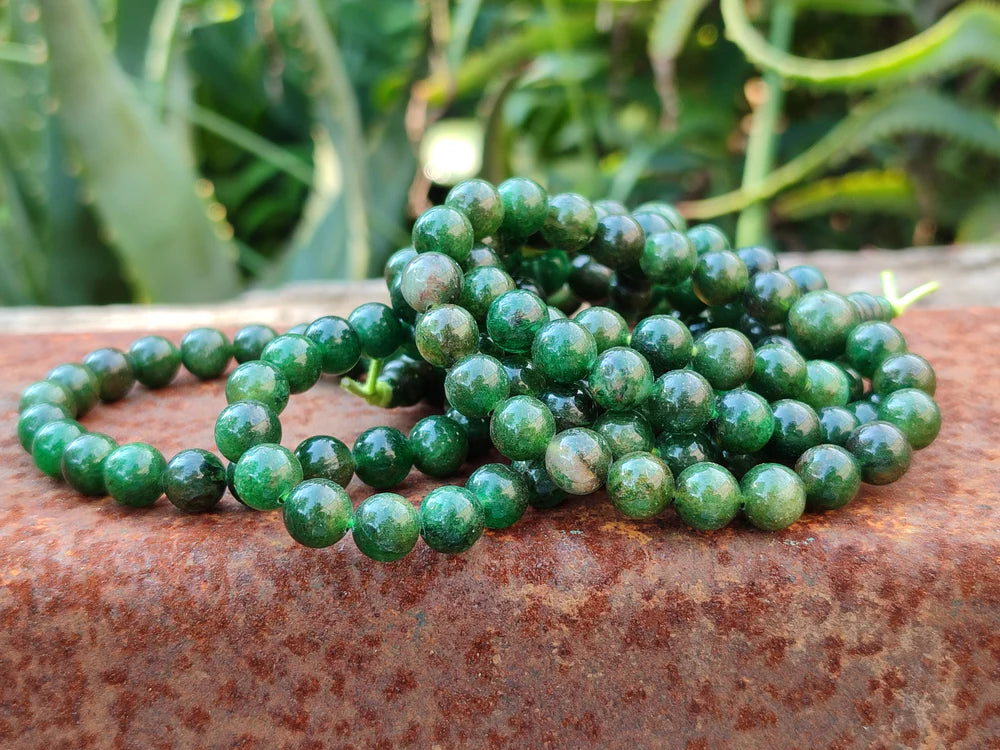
<point x="564" y="351"/>
<point x="808" y="278"/>
<point x="836" y="424"/>
<point x="34" y="418"/>
<point x="481" y="255"/>
<point x="501" y="492"/>
<point x="589" y="279"/>
<point x="881" y="450"/>
<point x="869" y="343"/>
<point x="830" y="476"/>
<point x="47" y="392"/>
<point x="914" y="413"/>
<point x="231" y="483"/>
<point x="386" y="527"/>
<point x="514" y="319"/>
<point x="258" y="381"/>
<point x="338" y="342"/>
<point x="707" y="496"/>
<point x="651" y="222"/>
<point x="317" y="513"/>
<point x="265" y="474"/>
<point x="826" y="384"/>
<point x="476" y="385"/>
<point x="155" y="361"/>
<point x="439" y="446"/>
<point x="570" y="223"/>
<point x="906" y="370"/>
<point x="571" y="406"/>
<point x="665" y="210"/>
<point x="551" y="269"/>
<point x="81" y="381"/>
<point x="625" y="432"/>
<point x="543" y="493"/>
<point x="864" y="410"/>
<point x="759" y="259"/>
<point x="446" y="334"/>
<point x="477" y="431"/>
<point x="481" y="204"/>
<point x="796" y="429"/>
<point x="397" y="262"/>
<point x="206" y="352"/>
<point x="378" y="328"/>
<point x="578" y="460"/>
<point x="400" y="307"/>
<point x="444" y="230"/>
<point x="451" y="519"/>
<point x="683" y="298"/>
<point x="83" y="463"/>
<point x="664" y="341"/>
<point x="382" y="457"/>
<point x="725" y="357"/>
<point x="773" y="497"/>
<point x="525" y="207"/>
<point x="618" y="242"/>
<point x="620" y="379"/>
<point x="194" y="480"/>
<point x="113" y="369"/>
<point x="325" y="457"/>
<point x="668" y="258"/>
<point x="249" y="341"/>
<point x="743" y="422"/>
<point x="431" y="279"/>
<point x="681" y="401"/>
<point x="684" y="449"/>
<point x="769" y="295"/>
<point x="133" y="474"/>
<point x="607" y="207"/>
<point x="719" y="277"/>
<point x="50" y="443"/>
<point x="819" y="323"/>
<point x="481" y="286"/>
<point x="607" y="326"/>
<point x="779" y="372"/>
<point x="856" y="381"/>
<point x="299" y="358"/>
<point x="522" y="427"/>
<point x="708" y="238"/>
<point x="244" y="424"/>
<point x="640" y="485"/>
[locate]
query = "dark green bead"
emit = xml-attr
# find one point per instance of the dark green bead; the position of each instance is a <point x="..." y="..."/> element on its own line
<point x="481" y="204"/>
<point x="477" y="431"/>
<point x="476" y="385"/>
<point x="708" y="238"/>
<point x="827" y="384"/>
<point x="378" y="329"/>
<point x="571" y="222"/>
<point x="299" y="358"/>
<point x="719" y="277"/>
<point x="651" y="222"/>
<point x="231" y="483"/>
<point x="543" y="493"/>
<point x="578" y="460"/>
<point x="769" y="296"/>
<point x="501" y="492"/>
<point x="681" y="450"/>
<point x="563" y="351"/>
<point x="681" y="401"/>
<point x="34" y="418"/>
<point x="400" y="307"/>
<point x="481" y="256"/>
<point x="640" y="485"/>
<point x="382" y="457"/>
<point x="317" y="513"/>
<point x="51" y="441"/>
<point x="906" y="370"/>
<point x="728" y="316"/>
<point x="796" y="429"/>
<point x="431" y="279"/>
<point x="618" y="242"/>
<point x="451" y="519"/>
<point x="725" y="357"/>
<point x="298" y="330"/>
<point x="514" y="318"/>
<point x="836" y="423"/>
<point x="738" y="464"/>
<point x="589" y="279"/>
<point x="664" y="341"/>
<point x="481" y="286"/>
<point x="113" y="369"/>
<point x="244" y="424"/>
<point x="338" y="342"/>
<point x="881" y="450"/>
<point x="439" y="446"/>
<point x="81" y="381"/>
<point x="758" y="259"/>
<point x="625" y="432"/>
<point x="386" y="527"/>
<point x="683" y="299"/>
<point x="83" y="463"/>
<point x="819" y="323"/>
<point x="864" y="410"/>
<point x="194" y="481"/>
<point x="779" y="372"/>
<point x="607" y="207"/>
<point x="525" y="207"/>
<point x="743" y="422"/>
<point x="155" y="361"/>
<point x="265" y="474"/>
<point x="665" y="210"/>
<point x="830" y="476"/>
<point x="808" y="278"/>
<point x="258" y="381"/>
<point x="620" y="379"/>
<point x="773" y="497"/>
<point x="443" y="230"/>
<point x="446" y="334"/>
<point x="522" y="427"/>
<point x="869" y="343"/>
<point x="607" y="326"/>
<point x="249" y="342"/>
<point x="47" y="392"/>
<point x="206" y="352"/>
<point x="552" y="269"/>
<point x="524" y="378"/>
<point x="133" y="474"/>
<point x="914" y="413"/>
<point x="857" y="383"/>
<point x="630" y="295"/>
<point x="668" y="258"/>
<point x="707" y="496"/>
<point x="325" y="457"/>
<point x="397" y="262"/>
<point x="571" y="406"/>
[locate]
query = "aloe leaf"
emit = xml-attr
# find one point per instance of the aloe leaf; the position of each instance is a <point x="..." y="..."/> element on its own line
<point x="888" y="191"/>
<point x="20" y="266"/>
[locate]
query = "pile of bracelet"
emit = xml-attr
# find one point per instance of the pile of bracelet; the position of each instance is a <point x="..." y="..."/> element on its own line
<point x="698" y="376"/>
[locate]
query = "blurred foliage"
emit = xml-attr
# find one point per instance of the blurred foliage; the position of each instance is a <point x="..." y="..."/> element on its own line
<point x="178" y="150"/>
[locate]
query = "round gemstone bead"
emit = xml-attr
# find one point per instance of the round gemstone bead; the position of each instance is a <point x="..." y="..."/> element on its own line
<point x="758" y="259"/>
<point x="543" y="493"/>
<point x="640" y="485"/>
<point x="719" y="277"/>
<point x="618" y="241"/>
<point x="563" y="351"/>
<point x="113" y="369"/>
<point x="830" y="476"/>
<point x="826" y="384"/>
<point x="446" y="334"/>
<point x="396" y="262"/>
<point x="836" y="424"/>
<point x="819" y="322"/>
<point x="386" y="527"/>
<point x="481" y="286"/>
<point x="265" y="474"/>
<point x="864" y="410"/>
<point x="431" y="279"/>
<point x="914" y="413"/>
<point x="81" y="382"/>
<point x="477" y="385"/>
<point x="443" y="229"/>
<point x="607" y="207"/>
<point x="133" y="474"/>
<point x="481" y="204"/>
<point x="522" y="427"/>
<point x="881" y="450"/>
<point x="83" y="463"/>
<point x="682" y="450"/>
<point x="194" y="480"/>
<point x="779" y="372"/>
<point x="708" y="238"/>
<point x="607" y="326"/>
<point x="743" y="422"/>
<point x="664" y="341"/>
<point x="206" y="352"/>
<point x="808" y="278"/>
<point x="666" y="211"/>
<point x="625" y="432"/>
<point x="231" y="483"/>
<point x="338" y="342"/>
<point x="325" y="457"/>
<point x="299" y="358"/>
<point x="652" y="222"/>
<point x="258" y="381"/>
<point x="668" y="258"/>
<point x="681" y="401"/>
<point x="589" y="279"/>
<point x="707" y="496"/>
<point x="50" y="443"/>
<point x="155" y="361"/>
<point x="552" y="269"/>
<point x="34" y="418"/>
<point x="249" y="341"/>
<point x="773" y="496"/>
<point x="571" y="222"/>
<point x="477" y="430"/>
<point x="683" y="299"/>
<point x="244" y="424"/>
<point x="378" y="328"/>
<point x="525" y="207"/>
<point x="725" y="357"/>
<point x="571" y="406"/>
<point x="481" y="255"/>
<point x="578" y="460"/>
<point x="382" y="457"/>
<point x="796" y="428"/>
<point x="906" y="370"/>
<point x="620" y="379"/>
<point x="317" y="513"/>
<point x="856" y="381"/>
<point x="451" y="519"/>
<point x="439" y="446"/>
<point x="514" y="318"/>
<point x="769" y="296"/>
<point x="869" y="343"/>
<point x="501" y="492"/>
<point x="47" y="392"/>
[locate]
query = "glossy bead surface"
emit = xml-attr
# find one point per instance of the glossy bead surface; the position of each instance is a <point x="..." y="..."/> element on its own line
<point x="501" y="492"/>
<point x="589" y="279"/>
<point x="50" y="443"/>
<point x="836" y="423"/>
<point x="244" y="424"/>
<point x="155" y="361"/>
<point x="625" y="432"/>
<point x="707" y="496"/>
<point x="377" y="328"/>
<point x="480" y="287"/>
<point x="382" y="457"/>
<point x="808" y="278"/>
<point x="431" y="279"/>
<point x="607" y="326"/>
<point x="451" y="519"/>
<point x="819" y="322"/>
<point x="258" y="381"/>
<point x="618" y="241"/>
<point x="477" y="430"/>
<point x="571" y="406"/>
<point x="708" y="238"/>
<point x="640" y="485"/>
<point x="769" y="295"/>
<point x="681" y="401"/>
<point x="779" y="372"/>
<point x="563" y="351"/>
<point x="725" y="357"/>
<point x="206" y="352"/>
<point x="620" y="379"/>
<point x="664" y="341"/>
<point x="476" y="385"/>
<point x="34" y="418"/>
<point x="396" y="262"/>
<point x="265" y="474"/>
<point x="525" y="207"/>
<point x="719" y="277"/>
<point x="681" y="450"/>
<point x="113" y="369"/>
<point x="906" y="370"/>
<point x="543" y="493"/>
<point x="666" y="211"/>
<point x="325" y="457"/>
<point x="249" y="341"/>
<point x="133" y="474"/>
<point x="338" y="342"/>
<point x="443" y="230"/>
<point x="386" y="527"/>
<point x="47" y="392"/>
<point x="881" y="450"/>
<point x="81" y="382"/>
<point x="869" y="343"/>
<point x="773" y="496"/>
<point x="514" y="318"/>
<point x="521" y="428"/>
<point x="864" y="410"/>
<point x="914" y="413"/>
<point x="758" y="259"/>
<point x="830" y="476"/>
<point x="743" y="422"/>
<point x="481" y="204"/>
<point x="83" y="463"/>
<point x="796" y="429"/>
<point x="578" y="460"/>
<point x="317" y="513"/>
<point x="668" y="258"/>
<point x="194" y="481"/>
<point x="439" y="446"/>
<point x="570" y="223"/>
<point x="299" y="359"/>
<point x="826" y="385"/>
<point x="446" y="334"/>
<point x="481" y="255"/>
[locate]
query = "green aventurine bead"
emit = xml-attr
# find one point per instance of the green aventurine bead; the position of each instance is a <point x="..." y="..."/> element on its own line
<point x="431" y="279"/>
<point x="522" y="427"/>
<point x="514" y="318"/>
<point x="397" y="262"/>
<point x="194" y="480"/>
<point x="476" y="385"/>
<point x="664" y="341"/>
<point x="618" y="242"/>
<point x="317" y="513"/>
<point x="819" y="322"/>
<point x="244" y="424"/>
<point x="640" y="485"/>
<point x="827" y="384"/>
<point x="525" y="207"/>
<point x="299" y="358"/>
<point x="481" y="204"/>
<point x="481" y="255"/>
<point x="830" y="476"/>
<point x="681" y="401"/>
<point x="34" y="418"/>
<point x="779" y="372"/>
<point x="338" y="342"/>
<point x="113" y="369"/>
<point x="571" y="406"/>
<point x="914" y="413"/>
<point x="481" y="286"/>
<point x="265" y="474"/>
<point x="47" y="392"/>
<point x="708" y="238"/>
<point x="451" y="519"/>
<point x="258" y="381"/>
<point x="607" y="326"/>
<point x="769" y="296"/>
<point x="578" y="460"/>
<point x="907" y="370"/>
<point x="476" y="430"/>
<point x="133" y="474"/>
<point x="682" y="450"/>
<point x="83" y="463"/>
<point x="446" y="334"/>
<point x="881" y="450"/>
<point x="808" y="278"/>
<point x="81" y="382"/>
<point x="206" y="352"/>
<point x="620" y="379"/>
<point x="250" y="341"/>
<point x="501" y="492"/>
<point x="773" y="496"/>
<point x="543" y="493"/>
<point x="564" y="351"/>
<point x="665" y="210"/>
<point x="707" y="496"/>
<point x="869" y="343"/>
<point x="378" y="328"/>
<point x="589" y="279"/>
<point x="439" y="446"/>
<point x="571" y="222"/>
<point x="155" y="361"/>
<point x="725" y="357"/>
<point x="50" y="443"/>
<point x="382" y="457"/>
<point x="443" y="230"/>
<point x="759" y="259"/>
<point x="864" y="410"/>
<point x="719" y="277"/>
<point x="796" y="428"/>
<point x="836" y="424"/>
<point x="743" y="422"/>
<point x="386" y="527"/>
<point x="625" y="431"/>
<point x="325" y="457"/>
<point x="668" y="258"/>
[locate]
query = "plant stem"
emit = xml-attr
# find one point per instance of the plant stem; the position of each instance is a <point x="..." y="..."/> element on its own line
<point x="373" y="392"/>
<point x="901" y="304"/>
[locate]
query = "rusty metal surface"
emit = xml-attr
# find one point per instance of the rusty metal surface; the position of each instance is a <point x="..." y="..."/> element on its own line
<point x="875" y="626"/>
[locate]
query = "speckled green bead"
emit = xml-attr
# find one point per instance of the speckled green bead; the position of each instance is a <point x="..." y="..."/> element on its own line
<point x="265" y="474"/>
<point x="155" y="361"/>
<point x="446" y="334"/>
<point x="133" y="474"/>
<point x="578" y="460"/>
<point x="796" y="429"/>
<point x="668" y="258"/>
<point x="725" y="357"/>
<point x="830" y="476"/>
<point x="34" y="418"/>
<point x="382" y="457"/>
<point x="640" y="485"/>
<point x="299" y="358"/>
<point x="870" y="342"/>
<point x="836" y="423"/>
<point x="906" y="370"/>
<point x="244" y="424"/>
<point x="51" y="441"/>
<point x="618" y="241"/>
<point x="857" y="382"/>
<point x="666" y="211"/>
<point x="625" y="432"/>
<point x="543" y="493"/>
<point x="681" y="450"/>
<point x="317" y="513"/>
<point x="47" y="392"/>
<point x="607" y="326"/>
<point x="83" y="463"/>
<point x="476" y="385"/>
<point x="476" y="429"/>
<point x="621" y="378"/>
<point x="563" y="351"/>
<point x="194" y="481"/>
<point x="773" y="497"/>
<point x="113" y="369"/>
<point x="914" y="413"/>
<point x="443" y="229"/>
<point x="708" y="238"/>
<point x="439" y="446"/>
<point x="230" y="483"/>
<point x="378" y="328"/>
<point x="525" y="207"/>
<point x="386" y="527"/>
<point x="338" y="342"/>
<point x="719" y="277"/>
<point x="779" y="372"/>
<point x="758" y="259"/>
<point x="451" y="519"/>
<point x="881" y="450"/>
<point x="864" y="410"/>
<point x="81" y="381"/>
<point x="826" y="385"/>
<point x="743" y="422"/>
<point x="258" y="381"/>
<point x="325" y="457"/>
<point x="819" y="323"/>
<point x="681" y="401"/>
<point x="570" y="223"/>
<point x="481" y="204"/>
<point x="481" y="286"/>
<point x="514" y="318"/>
<point x="707" y="496"/>
<point x="396" y="262"/>
<point x="664" y="341"/>
<point x="431" y="279"/>
<point x="249" y="341"/>
<point x="769" y="295"/>
<point x="206" y="352"/>
<point x="481" y="255"/>
<point x="571" y="406"/>
<point x="521" y="428"/>
<point x="501" y="492"/>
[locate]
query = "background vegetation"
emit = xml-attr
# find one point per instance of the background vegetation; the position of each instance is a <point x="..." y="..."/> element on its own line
<point x="178" y="150"/>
